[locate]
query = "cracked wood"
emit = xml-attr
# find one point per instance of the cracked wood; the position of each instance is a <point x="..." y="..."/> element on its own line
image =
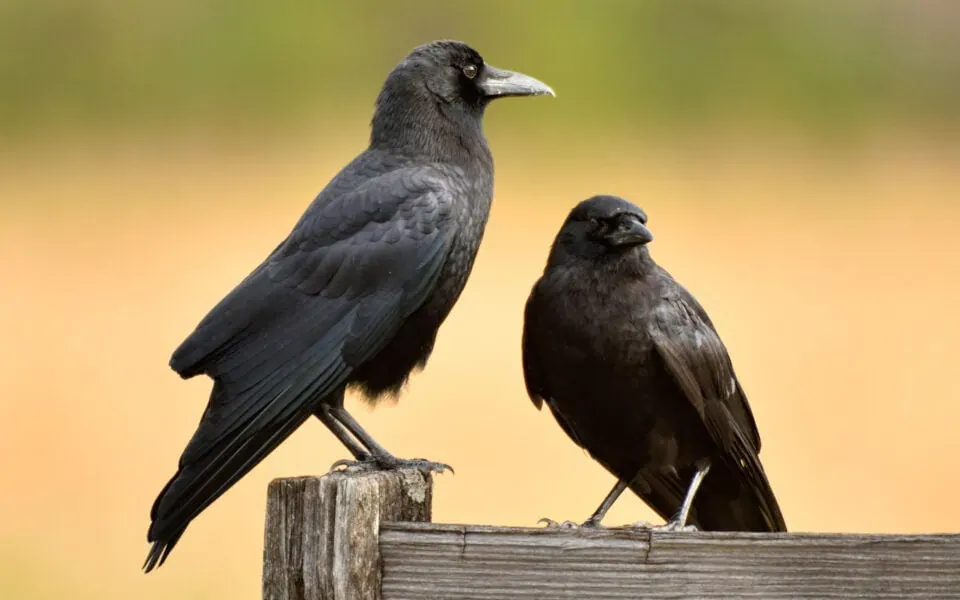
<point x="321" y="539"/>
<point x="338" y="537"/>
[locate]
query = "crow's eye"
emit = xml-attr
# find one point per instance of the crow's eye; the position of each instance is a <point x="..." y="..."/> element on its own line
<point x="470" y="71"/>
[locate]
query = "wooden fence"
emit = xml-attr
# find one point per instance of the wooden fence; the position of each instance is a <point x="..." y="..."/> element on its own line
<point x="369" y="536"/>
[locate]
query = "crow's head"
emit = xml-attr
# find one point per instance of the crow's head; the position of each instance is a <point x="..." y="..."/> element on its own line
<point x="449" y="77"/>
<point x="603" y="225"/>
<point x="456" y="73"/>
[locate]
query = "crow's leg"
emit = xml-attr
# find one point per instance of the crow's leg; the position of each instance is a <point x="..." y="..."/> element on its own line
<point x="356" y="449"/>
<point x="679" y="523"/>
<point x="597" y="516"/>
<point x="601" y="512"/>
<point x="379" y="457"/>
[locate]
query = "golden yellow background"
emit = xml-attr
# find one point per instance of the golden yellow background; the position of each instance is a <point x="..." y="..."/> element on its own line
<point x="830" y="265"/>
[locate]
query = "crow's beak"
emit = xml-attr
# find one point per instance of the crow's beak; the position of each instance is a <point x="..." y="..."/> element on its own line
<point x="498" y="83"/>
<point x="630" y="231"/>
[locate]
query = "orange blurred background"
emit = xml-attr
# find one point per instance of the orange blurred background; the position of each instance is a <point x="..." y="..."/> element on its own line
<point x="831" y="267"/>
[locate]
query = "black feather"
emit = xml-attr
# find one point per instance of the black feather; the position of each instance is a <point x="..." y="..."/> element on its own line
<point x="634" y="372"/>
<point x="353" y="296"/>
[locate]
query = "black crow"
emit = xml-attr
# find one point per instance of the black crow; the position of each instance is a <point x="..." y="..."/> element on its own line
<point x="635" y="373"/>
<point x="353" y="297"/>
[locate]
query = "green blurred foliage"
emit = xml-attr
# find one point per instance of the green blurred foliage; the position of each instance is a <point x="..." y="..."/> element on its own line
<point x="614" y="63"/>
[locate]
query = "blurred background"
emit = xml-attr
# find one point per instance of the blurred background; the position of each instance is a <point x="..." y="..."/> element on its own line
<point x="800" y="163"/>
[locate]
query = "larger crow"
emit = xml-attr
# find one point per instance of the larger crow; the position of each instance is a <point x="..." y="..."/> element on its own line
<point x="355" y="294"/>
<point x="634" y="372"/>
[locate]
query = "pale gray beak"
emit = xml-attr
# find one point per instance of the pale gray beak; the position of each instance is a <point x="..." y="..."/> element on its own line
<point x="498" y="83"/>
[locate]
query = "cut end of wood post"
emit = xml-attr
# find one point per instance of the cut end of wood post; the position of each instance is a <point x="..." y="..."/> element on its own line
<point x="322" y="534"/>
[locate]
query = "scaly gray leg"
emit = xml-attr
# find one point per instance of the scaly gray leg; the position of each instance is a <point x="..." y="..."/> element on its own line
<point x="356" y="449"/>
<point x="379" y="457"/>
<point x="597" y="516"/>
<point x="679" y="523"/>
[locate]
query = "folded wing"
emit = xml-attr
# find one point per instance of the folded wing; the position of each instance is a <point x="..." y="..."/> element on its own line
<point x="325" y="301"/>
<point x="694" y="355"/>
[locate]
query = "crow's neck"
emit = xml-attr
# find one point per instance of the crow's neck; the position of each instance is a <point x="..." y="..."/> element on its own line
<point x="635" y="261"/>
<point x="430" y="129"/>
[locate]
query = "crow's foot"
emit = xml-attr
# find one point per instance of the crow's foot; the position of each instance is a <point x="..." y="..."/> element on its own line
<point x="675" y="526"/>
<point x="588" y="524"/>
<point x="668" y="526"/>
<point x="389" y="463"/>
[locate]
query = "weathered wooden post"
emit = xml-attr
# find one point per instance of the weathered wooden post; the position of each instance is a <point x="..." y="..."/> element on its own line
<point x="322" y="534"/>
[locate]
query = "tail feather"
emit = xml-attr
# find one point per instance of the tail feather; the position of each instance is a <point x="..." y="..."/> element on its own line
<point x="726" y="500"/>
<point x="207" y="470"/>
<point x="194" y="488"/>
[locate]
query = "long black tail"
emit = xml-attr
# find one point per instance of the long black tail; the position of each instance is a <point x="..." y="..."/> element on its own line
<point x="234" y="435"/>
<point x="197" y="484"/>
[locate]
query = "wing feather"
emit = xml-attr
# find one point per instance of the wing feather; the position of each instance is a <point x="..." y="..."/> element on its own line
<point x="326" y="301"/>
<point x="695" y="356"/>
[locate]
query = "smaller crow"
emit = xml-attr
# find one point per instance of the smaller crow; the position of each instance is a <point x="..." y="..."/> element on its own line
<point x="635" y="373"/>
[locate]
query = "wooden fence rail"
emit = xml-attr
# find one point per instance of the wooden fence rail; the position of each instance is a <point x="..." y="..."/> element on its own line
<point x="369" y="536"/>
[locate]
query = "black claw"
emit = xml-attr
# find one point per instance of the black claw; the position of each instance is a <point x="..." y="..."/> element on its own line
<point x="421" y="464"/>
<point x="668" y="526"/>
<point x="389" y="464"/>
<point x="551" y="524"/>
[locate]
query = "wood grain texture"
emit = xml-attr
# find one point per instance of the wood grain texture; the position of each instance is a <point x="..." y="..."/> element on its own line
<point x="350" y="536"/>
<point x="321" y="537"/>
<point x="465" y="562"/>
